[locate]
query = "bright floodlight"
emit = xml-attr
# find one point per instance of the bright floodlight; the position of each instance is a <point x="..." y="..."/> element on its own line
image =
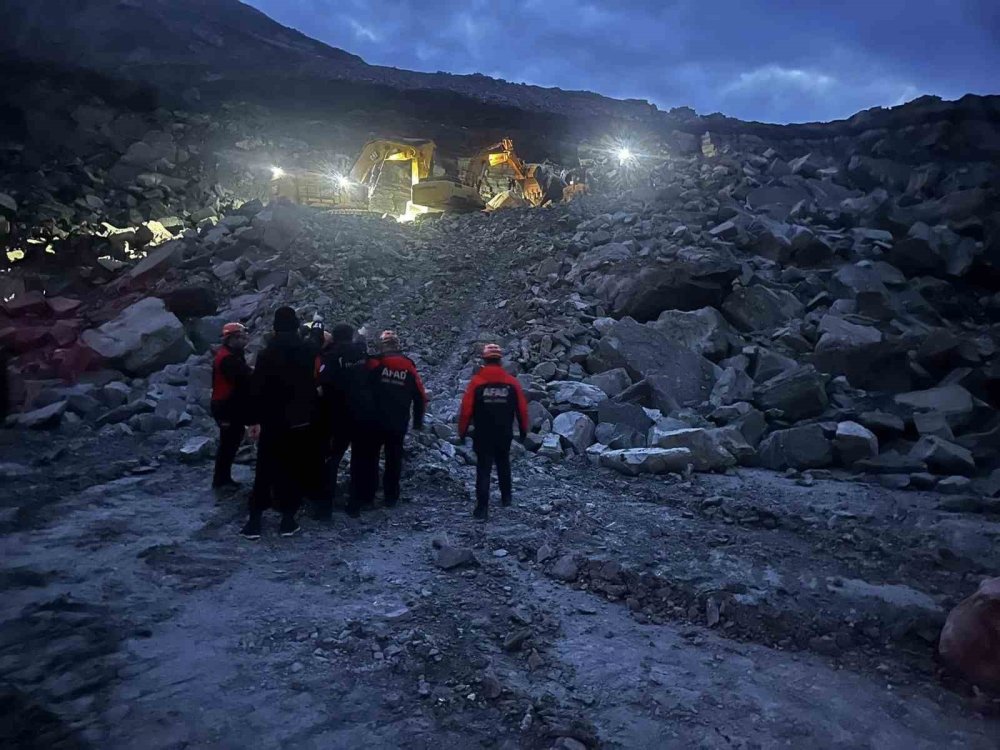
<point x="277" y="173"/>
<point x="343" y="182"/>
<point x="624" y="154"/>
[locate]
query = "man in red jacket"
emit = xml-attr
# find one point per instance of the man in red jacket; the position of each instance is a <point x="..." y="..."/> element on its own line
<point x="396" y="386"/>
<point x="492" y="401"/>
<point x="230" y="383"/>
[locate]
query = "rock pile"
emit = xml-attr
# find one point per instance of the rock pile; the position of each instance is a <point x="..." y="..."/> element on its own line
<point x="761" y="306"/>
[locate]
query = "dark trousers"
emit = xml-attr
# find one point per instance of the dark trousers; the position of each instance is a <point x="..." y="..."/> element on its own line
<point x="489" y="453"/>
<point x="230" y="437"/>
<point x="285" y="466"/>
<point x="392" y="442"/>
<point x="335" y="448"/>
<point x="365" y="448"/>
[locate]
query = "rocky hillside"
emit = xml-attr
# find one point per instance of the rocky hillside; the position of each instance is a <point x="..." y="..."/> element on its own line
<point x="190" y="43"/>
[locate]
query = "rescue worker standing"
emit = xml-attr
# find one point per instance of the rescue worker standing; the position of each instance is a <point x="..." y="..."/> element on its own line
<point x="230" y="385"/>
<point x="396" y="386"/>
<point x="493" y="399"/>
<point x="349" y="408"/>
<point x="284" y="389"/>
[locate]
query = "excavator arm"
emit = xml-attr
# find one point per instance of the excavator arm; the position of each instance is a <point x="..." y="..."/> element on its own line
<point x="503" y="153"/>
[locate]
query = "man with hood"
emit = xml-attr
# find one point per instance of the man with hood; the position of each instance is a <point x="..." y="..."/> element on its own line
<point x="284" y="390"/>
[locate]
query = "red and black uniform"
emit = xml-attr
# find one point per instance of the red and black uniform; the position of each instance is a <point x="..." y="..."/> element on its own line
<point x="348" y="405"/>
<point x="396" y="387"/>
<point x="230" y="390"/>
<point x="493" y="400"/>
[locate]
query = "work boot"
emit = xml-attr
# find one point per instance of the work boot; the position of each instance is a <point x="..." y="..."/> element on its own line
<point x="322" y="512"/>
<point x="391" y="502"/>
<point x="505" y="502"/>
<point x="225" y="483"/>
<point x="289" y="526"/>
<point x="482" y="512"/>
<point x="251" y="529"/>
<point x="354" y="511"/>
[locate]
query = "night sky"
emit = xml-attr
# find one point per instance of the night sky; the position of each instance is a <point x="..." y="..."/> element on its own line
<point x="768" y="60"/>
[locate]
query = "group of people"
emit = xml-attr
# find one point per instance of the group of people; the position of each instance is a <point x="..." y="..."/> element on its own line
<point x="314" y="394"/>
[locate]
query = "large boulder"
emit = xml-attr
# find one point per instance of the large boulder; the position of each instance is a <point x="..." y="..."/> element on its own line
<point x="799" y="394"/>
<point x="854" y="442"/>
<point x="195" y="301"/>
<point x="706" y="453"/>
<point x="144" y="338"/>
<point x="704" y="331"/>
<point x="759" y="308"/>
<point x="970" y="639"/>
<point x="632" y="415"/>
<point x="943" y="456"/>
<point x="953" y="401"/>
<point x="612" y="382"/>
<point x="575" y="428"/>
<point x="693" y="279"/>
<point x="635" y="461"/>
<point x="805" y="447"/>
<point x="577" y="395"/>
<point x="156" y="263"/>
<point x="861" y="353"/>
<point x="677" y="376"/>
<point x="605" y="255"/>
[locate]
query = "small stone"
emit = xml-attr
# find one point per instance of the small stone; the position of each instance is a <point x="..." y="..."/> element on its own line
<point x="565" y="569"/>
<point x="516" y="639"/>
<point x="297" y="667"/>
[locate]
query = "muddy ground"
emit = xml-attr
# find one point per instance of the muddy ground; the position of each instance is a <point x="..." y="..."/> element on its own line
<point x="749" y="610"/>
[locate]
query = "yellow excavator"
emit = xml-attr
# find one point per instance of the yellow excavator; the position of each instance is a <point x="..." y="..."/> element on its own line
<point x="360" y="188"/>
<point x="537" y="187"/>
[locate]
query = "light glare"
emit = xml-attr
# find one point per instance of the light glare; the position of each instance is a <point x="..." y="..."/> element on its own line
<point x="277" y="173"/>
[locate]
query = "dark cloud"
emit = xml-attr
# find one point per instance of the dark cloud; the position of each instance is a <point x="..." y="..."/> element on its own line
<point x="770" y="60"/>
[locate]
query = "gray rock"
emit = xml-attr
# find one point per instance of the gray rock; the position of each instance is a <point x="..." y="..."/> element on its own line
<point x="448" y="557"/>
<point x="943" y="456"/>
<point x="694" y="278"/>
<point x="579" y="395"/>
<point x="704" y="331"/>
<point x="732" y="386"/>
<point x="635" y="461"/>
<point x="144" y="338"/>
<point x="196" y="449"/>
<point x="758" y="308"/>
<point x="565" y="569"/>
<point x="854" y="442"/>
<point x="612" y="382"/>
<point x="803" y="447"/>
<point x="706" y="453"/>
<point x="798" y="394"/>
<point x="42" y="419"/>
<point x="576" y="428"/>
<point x="551" y="447"/>
<point x="954" y="485"/>
<point x="677" y="376"/>
<point x="953" y="401"/>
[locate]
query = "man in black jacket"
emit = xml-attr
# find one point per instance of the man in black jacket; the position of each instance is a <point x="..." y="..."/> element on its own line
<point x="284" y="390"/>
<point x="349" y="407"/>
<point x="397" y="387"/>
<point x="230" y="386"/>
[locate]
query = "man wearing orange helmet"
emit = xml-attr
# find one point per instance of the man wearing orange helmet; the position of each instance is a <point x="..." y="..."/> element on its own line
<point x="493" y="399"/>
<point x="396" y="386"/>
<point x="230" y="383"/>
